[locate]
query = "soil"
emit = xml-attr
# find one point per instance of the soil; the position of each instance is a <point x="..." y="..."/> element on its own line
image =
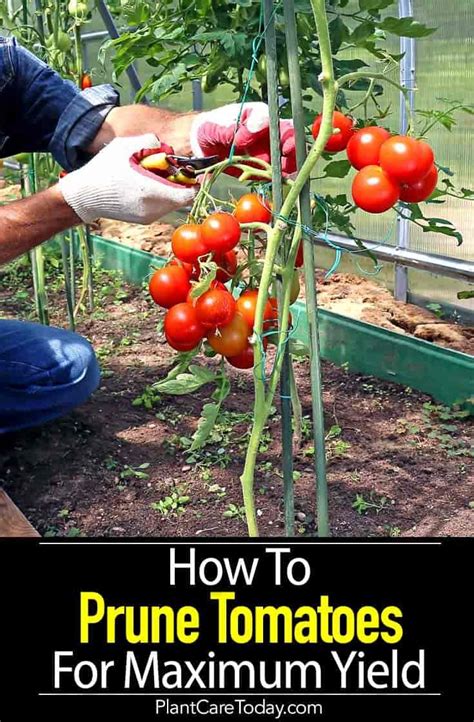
<point x="409" y="465"/>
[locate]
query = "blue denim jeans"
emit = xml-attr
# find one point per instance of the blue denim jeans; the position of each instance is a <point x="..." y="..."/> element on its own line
<point x="44" y="373"/>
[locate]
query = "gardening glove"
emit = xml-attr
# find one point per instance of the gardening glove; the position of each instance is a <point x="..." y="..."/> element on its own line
<point x="214" y="132"/>
<point x="114" y="185"/>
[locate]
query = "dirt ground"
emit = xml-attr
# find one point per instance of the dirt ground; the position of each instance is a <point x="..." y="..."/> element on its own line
<point x="397" y="464"/>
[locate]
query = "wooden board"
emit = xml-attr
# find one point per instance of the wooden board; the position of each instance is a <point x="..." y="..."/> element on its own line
<point x="12" y="521"/>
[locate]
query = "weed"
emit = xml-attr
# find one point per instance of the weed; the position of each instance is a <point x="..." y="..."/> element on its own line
<point x="148" y="399"/>
<point x="375" y="502"/>
<point x="235" y="512"/>
<point x="175" y="503"/>
<point x="436" y="309"/>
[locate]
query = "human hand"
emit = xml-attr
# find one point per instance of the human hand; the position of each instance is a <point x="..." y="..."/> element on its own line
<point x="113" y="185"/>
<point x="214" y="132"/>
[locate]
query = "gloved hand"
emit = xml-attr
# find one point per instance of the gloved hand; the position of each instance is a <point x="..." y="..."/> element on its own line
<point x="113" y="185"/>
<point x="212" y="133"/>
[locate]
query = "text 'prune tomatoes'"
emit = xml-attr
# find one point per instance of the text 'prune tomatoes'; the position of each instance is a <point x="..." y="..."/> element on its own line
<point x="187" y="243"/>
<point x="364" y="146"/>
<point x="231" y="339"/>
<point x="215" y="308"/>
<point x="220" y="232"/>
<point x="169" y="285"/>
<point x="406" y="159"/>
<point x="343" y="128"/>
<point x="422" y="189"/>
<point x="252" y="208"/>
<point x="373" y="190"/>
<point x="182" y="328"/>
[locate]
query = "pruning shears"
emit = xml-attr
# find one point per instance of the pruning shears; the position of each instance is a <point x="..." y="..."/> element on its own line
<point x="174" y="168"/>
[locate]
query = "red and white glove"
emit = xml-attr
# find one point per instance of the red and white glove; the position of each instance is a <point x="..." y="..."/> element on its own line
<point x="214" y="132"/>
<point x="114" y="185"/>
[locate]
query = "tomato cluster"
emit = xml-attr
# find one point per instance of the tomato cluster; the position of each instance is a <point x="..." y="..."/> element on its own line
<point x="390" y="168"/>
<point x="226" y="324"/>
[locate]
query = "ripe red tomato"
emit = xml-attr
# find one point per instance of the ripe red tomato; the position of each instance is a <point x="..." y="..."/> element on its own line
<point x="299" y="256"/>
<point x="252" y="208"/>
<point x="374" y="190"/>
<point x="216" y="285"/>
<point x="86" y="81"/>
<point x="169" y="285"/>
<point x="364" y="146"/>
<point x="231" y="339"/>
<point x="337" y="141"/>
<point x="182" y="328"/>
<point x="422" y="189"/>
<point x="227" y="265"/>
<point x="273" y="322"/>
<point x="215" y="308"/>
<point x="247" y="304"/>
<point x="245" y="359"/>
<point x="406" y="159"/>
<point x="193" y="271"/>
<point x="187" y="243"/>
<point x="220" y="232"/>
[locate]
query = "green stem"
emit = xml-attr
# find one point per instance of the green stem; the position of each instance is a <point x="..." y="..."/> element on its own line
<point x="67" y="281"/>
<point x="361" y="75"/>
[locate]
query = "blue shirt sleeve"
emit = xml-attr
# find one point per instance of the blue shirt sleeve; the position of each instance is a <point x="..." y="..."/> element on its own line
<point x="39" y="111"/>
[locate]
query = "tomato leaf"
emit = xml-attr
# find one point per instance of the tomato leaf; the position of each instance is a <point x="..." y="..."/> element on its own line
<point x="205" y="283"/>
<point x="405" y="27"/>
<point x="337" y="169"/>
<point x="375" y="5"/>
<point x="186" y="383"/>
<point x="462" y="295"/>
<point x="209" y="414"/>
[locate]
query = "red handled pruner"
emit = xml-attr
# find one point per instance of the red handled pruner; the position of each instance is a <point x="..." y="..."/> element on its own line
<point x="174" y="168"/>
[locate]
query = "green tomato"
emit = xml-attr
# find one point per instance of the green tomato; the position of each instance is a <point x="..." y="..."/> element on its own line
<point x="283" y="77"/>
<point x="295" y="287"/>
<point x="77" y="7"/>
<point x="261" y="71"/>
<point x="64" y="42"/>
<point x="209" y="82"/>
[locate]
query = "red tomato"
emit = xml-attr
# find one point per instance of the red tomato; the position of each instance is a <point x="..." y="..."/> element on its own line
<point x="215" y="308"/>
<point x="273" y="322"/>
<point x="193" y="271"/>
<point x="214" y="285"/>
<point x="220" y="232"/>
<point x="187" y="243"/>
<point x="364" y="146"/>
<point x="374" y="190"/>
<point x="86" y="81"/>
<point x="299" y="256"/>
<point x="182" y="328"/>
<point x="252" y="208"/>
<point x="247" y="304"/>
<point x="244" y="359"/>
<point x="406" y="159"/>
<point x="227" y="265"/>
<point x="337" y="141"/>
<point x="169" y="285"/>
<point x="422" y="189"/>
<point x="231" y="339"/>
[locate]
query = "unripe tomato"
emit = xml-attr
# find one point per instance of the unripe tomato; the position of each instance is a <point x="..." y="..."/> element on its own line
<point x="422" y="189"/>
<point x="63" y="42"/>
<point x="364" y="146"/>
<point x="406" y="159"/>
<point x="283" y="77"/>
<point x="187" y="243"/>
<point x="182" y="328"/>
<point x="227" y="265"/>
<point x="247" y="305"/>
<point x="337" y="141"/>
<point x="252" y="208"/>
<point x="374" y="190"/>
<point x="220" y="232"/>
<point x="77" y="7"/>
<point x="261" y="70"/>
<point x="169" y="285"/>
<point x="215" y="308"/>
<point x="231" y="339"/>
<point x="295" y="287"/>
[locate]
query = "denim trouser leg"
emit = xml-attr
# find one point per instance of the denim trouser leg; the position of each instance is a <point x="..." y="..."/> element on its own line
<point x="44" y="373"/>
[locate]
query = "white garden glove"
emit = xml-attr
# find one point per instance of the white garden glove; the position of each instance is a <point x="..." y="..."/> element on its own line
<point x="214" y="133"/>
<point x="113" y="185"/>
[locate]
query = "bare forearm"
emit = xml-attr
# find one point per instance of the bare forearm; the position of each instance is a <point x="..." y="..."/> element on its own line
<point x="26" y="223"/>
<point x="169" y="127"/>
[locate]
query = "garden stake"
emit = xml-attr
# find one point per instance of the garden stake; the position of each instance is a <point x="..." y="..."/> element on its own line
<point x="36" y="254"/>
<point x="277" y="198"/>
<point x="308" y="248"/>
<point x="65" y="250"/>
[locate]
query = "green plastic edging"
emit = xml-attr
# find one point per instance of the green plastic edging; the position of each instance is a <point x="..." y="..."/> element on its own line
<point x="444" y="374"/>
